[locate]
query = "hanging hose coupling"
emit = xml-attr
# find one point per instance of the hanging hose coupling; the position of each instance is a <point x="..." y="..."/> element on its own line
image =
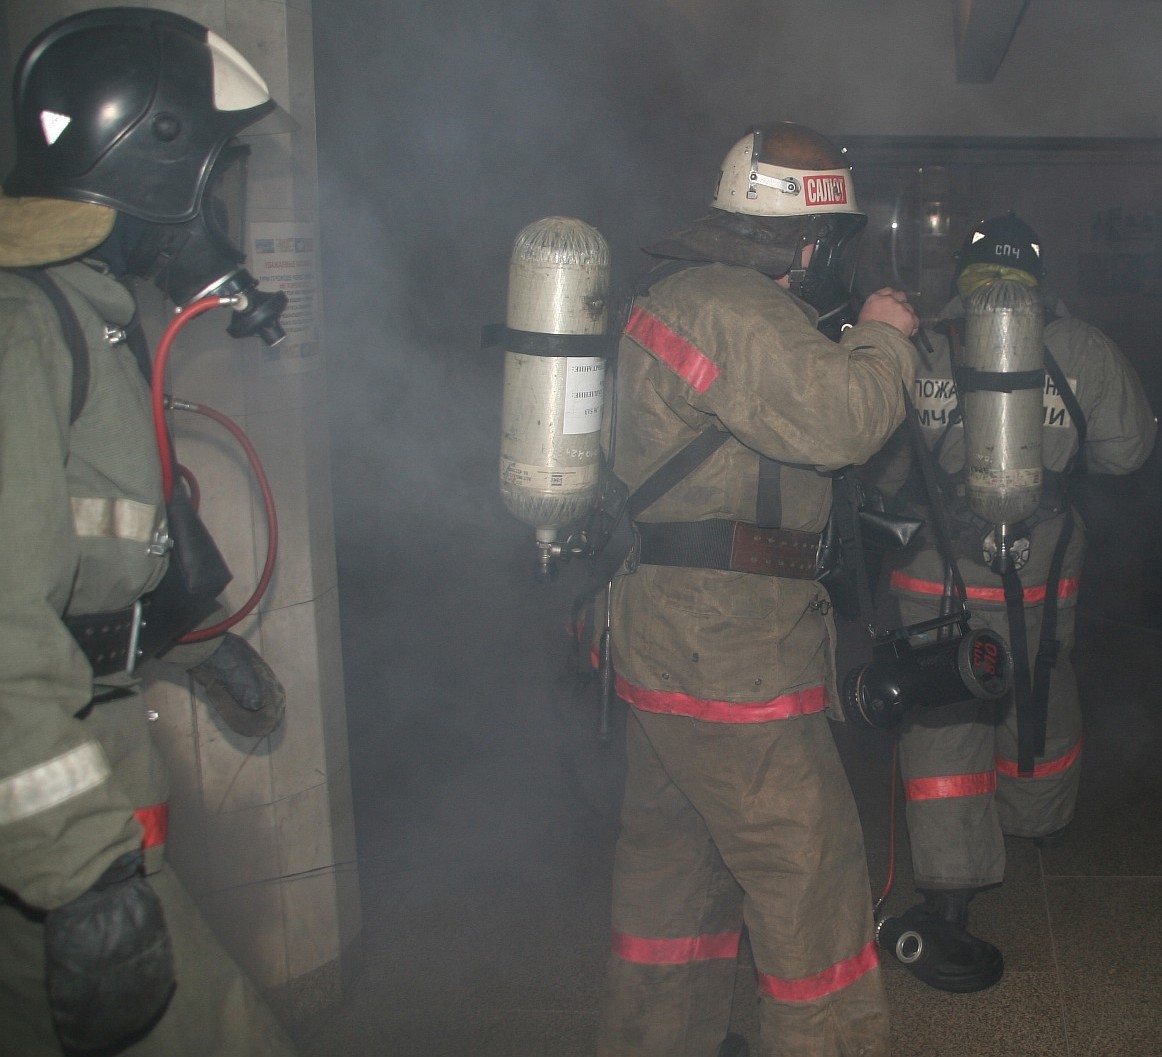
<point x="161" y="544"/>
<point x="895" y="935"/>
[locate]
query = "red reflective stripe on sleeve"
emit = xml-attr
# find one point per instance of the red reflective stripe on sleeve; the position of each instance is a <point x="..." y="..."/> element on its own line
<point x="154" y="823"/>
<point x="942" y="787"/>
<point x="675" y="952"/>
<point x="684" y="359"/>
<point x="1066" y="588"/>
<point x="672" y="703"/>
<point x="832" y="979"/>
<point x="1041" y="770"/>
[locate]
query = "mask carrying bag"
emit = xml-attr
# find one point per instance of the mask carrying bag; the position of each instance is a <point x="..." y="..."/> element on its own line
<point x="188" y="593"/>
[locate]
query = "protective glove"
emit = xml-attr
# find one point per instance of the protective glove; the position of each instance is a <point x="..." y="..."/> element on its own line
<point x="241" y="687"/>
<point x="109" y="964"/>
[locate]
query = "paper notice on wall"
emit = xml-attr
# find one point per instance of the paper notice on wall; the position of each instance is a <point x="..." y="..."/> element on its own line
<point x="283" y="257"/>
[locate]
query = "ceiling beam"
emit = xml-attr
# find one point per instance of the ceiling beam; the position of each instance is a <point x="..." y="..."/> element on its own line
<point x="984" y="29"/>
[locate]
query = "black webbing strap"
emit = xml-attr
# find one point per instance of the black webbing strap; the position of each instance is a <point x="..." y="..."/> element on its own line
<point x="845" y="502"/>
<point x="679" y="465"/>
<point x="973" y="380"/>
<point x="768" y="504"/>
<point x="73" y="335"/>
<point x="534" y="343"/>
<point x="1032" y="743"/>
<point x="1027" y="738"/>
<point x="932" y="487"/>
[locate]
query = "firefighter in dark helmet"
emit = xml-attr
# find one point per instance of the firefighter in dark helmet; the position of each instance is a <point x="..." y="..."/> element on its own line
<point x="122" y="118"/>
<point x="965" y="783"/>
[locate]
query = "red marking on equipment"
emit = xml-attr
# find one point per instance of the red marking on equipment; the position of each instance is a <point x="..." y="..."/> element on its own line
<point x="154" y="824"/>
<point x="825" y="190"/>
<point x="683" y="358"/>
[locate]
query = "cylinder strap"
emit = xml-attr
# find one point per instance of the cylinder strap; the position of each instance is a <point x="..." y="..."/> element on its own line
<point x="533" y="343"/>
<point x="971" y="380"/>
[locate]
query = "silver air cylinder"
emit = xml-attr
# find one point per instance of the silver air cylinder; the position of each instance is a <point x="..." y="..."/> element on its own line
<point x="1002" y="430"/>
<point x="558" y="284"/>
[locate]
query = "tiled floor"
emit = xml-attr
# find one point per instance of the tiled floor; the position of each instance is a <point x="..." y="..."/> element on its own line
<point x="486" y="823"/>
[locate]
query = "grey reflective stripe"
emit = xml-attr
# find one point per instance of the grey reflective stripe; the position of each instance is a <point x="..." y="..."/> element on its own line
<point x="119" y="519"/>
<point x="48" y="784"/>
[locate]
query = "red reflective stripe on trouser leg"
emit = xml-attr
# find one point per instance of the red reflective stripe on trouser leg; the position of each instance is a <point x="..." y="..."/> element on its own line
<point x="820" y="985"/>
<point x="154" y="824"/>
<point x="1045" y="769"/>
<point x="1067" y="587"/>
<point x="947" y="786"/>
<point x="681" y="951"/>
<point x="673" y="703"/>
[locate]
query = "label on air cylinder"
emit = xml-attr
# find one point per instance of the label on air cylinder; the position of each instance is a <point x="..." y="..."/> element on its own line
<point x="584" y="394"/>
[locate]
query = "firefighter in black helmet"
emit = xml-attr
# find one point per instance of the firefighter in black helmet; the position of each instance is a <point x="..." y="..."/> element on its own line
<point x="124" y="119"/>
<point x="736" y="808"/>
<point x="964" y="783"/>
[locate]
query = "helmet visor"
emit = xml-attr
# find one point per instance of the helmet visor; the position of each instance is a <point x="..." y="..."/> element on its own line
<point x="224" y="201"/>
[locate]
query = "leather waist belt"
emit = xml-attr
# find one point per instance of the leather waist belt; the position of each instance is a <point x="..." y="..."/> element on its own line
<point x="733" y="546"/>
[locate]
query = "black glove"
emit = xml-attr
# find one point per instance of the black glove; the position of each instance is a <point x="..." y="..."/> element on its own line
<point x="109" y="965"/>
<point x="241" y="687"/>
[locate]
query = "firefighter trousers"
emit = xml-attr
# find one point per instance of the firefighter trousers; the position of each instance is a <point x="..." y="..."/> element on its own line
<point x="726" y="825"/>
<point x="959" y="766"/>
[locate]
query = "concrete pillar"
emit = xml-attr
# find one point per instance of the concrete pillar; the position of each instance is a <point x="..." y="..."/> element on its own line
<point x="262" y="830"/>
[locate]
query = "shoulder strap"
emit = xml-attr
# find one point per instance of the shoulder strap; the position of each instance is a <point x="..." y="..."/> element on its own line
<point x="73" y="335"/>
<point x="684" y="462"/>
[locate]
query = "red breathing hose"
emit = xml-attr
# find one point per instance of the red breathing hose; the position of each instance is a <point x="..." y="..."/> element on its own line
<point x="168" y="464"/>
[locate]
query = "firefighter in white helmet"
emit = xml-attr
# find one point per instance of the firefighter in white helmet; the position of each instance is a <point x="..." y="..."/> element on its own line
<point x="965" y="782"/>
<point x="737" y="811"/>
<point x="123" y="117"/>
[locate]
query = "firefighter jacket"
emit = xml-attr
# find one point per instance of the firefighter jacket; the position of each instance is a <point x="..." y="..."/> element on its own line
<point x="79" y="507"/>
<point x="1120" y="431"/>
<point x="726" y="348"/>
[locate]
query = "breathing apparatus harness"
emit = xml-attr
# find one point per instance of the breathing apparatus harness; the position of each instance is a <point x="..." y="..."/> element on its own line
<point x="117" y="641"/>
<point x="1031" y="688"/>
<point x="613" y="537"/>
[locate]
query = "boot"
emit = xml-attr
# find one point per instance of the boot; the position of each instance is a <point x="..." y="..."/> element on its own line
<point x="932" y="942"/>
<point x="733" y="1046"/>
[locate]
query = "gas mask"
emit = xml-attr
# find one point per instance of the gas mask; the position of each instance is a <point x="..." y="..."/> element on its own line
<point x="826" y="283"/>
<point x="912" y="668"/>
<point x="200" y="258"/>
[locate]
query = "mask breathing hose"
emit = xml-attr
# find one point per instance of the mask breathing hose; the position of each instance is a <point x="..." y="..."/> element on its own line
<point x="161" y="403"/>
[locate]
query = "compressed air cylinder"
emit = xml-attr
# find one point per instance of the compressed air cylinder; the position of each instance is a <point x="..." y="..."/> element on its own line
<point x="558" y="284"/>
<point x="1003" y="336"/>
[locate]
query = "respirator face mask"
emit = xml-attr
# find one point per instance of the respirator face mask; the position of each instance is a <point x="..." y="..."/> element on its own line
<point x="830" y="274"/>
<point x="200" y="258"/>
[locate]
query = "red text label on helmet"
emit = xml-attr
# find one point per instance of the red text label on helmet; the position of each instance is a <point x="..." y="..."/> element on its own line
<point x="825" y="190"/>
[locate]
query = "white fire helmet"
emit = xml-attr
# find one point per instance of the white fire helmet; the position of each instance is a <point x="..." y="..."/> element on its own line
<point x="785" y="170"/>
